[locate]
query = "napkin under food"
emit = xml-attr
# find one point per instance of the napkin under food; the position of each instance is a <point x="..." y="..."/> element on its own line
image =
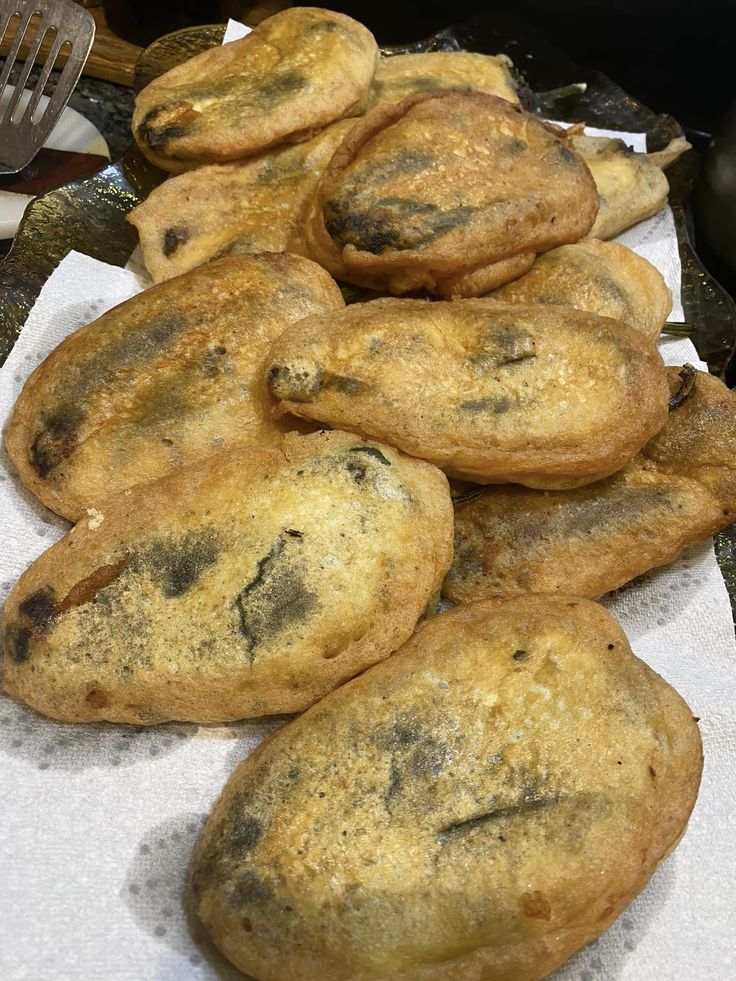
<point x="98" y="822"/>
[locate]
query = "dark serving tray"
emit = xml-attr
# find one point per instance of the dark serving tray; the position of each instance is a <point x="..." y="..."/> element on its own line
<point x="89" y="215"/>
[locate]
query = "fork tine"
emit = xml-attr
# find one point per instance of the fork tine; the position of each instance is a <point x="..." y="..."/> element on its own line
<point x="61" y="23"/>
<point x="43" y="77"/>
<point x="20" y="83"/>
<point x="12" y="54"/>
<point x="5" y="20"/>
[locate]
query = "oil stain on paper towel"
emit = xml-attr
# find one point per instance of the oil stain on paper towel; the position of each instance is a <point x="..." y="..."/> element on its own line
<point x="50" y="745"/>
<point x="155" y="894"/>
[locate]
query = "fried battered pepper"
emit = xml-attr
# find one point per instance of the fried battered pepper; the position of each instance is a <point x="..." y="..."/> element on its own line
<point x="255" y="205"/>
<point x="295" y="73"/>
<point x="493" y="392"/>
<point x="170" y="376"/>
<point x="600" y="277"/>
<point x="403" y="75"/>
<point x="430" y="192"/>
<point x="679" y="490"/>
<point x="252" y="583"/>
<point x="631" y="186"/>
<point x="479" y="806"/>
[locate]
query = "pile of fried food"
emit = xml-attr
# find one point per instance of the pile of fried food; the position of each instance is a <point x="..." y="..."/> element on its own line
<point x="259" y="476"/>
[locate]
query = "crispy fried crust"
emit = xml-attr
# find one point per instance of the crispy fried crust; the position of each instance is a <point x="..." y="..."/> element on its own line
<point x="468" y="809"/>
<point x="250" y="584"/>
<point x="486" y="278"/>
<point x="400" y="76"/>
<point x="169" y="377"/>
<point x="256" y="205"/>
<point x="293" y="74"/>
<point x="441" y="185"/>
<point x="492" y="392"/>
<point x="679" y="490"/>
<point x="600" y="277"/>
<point x="630" y="186"/>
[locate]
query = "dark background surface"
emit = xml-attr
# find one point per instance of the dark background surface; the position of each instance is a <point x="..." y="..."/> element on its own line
<point x="675" y="57"/>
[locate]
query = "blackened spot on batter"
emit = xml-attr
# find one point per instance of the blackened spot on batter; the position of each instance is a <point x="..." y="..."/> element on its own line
<point x="292" y="533"/>
<point x="391" y="222"/>
<point x="173" y="238"/>
<point x="425" y="84"/>
<point x="566" y="153"/>
<point x="245" y="833"/>
<point x="156" y="137"/>
<point x="249" y="889"/>
<point x="399" y="164"/>
<point x="495" y="404"/>
<point x="176" y="565"/>
<point x="516" y="147"/>
<point x="56" y="438"/>
<point x="405" y="733"/>
<point x="348" y="386"/>
<point x="585" y="514"/>
<point x="212" y="360"/>
<point x="140" y="343"/>
<point x="278" y="88"/>
<point x="276" y="598"/>
<point x="428" y="758"/>
<point x="357" y="471"/>
<point x="40" y="608"/>
<point x="330" y="26"/>
<point x="503" y="345"/>
<point x="610" y="289"/>
<point x="520" y="655"/>
<point x="294" y="383"/>
<point x="394" y="782"/>
<point x="372" y="452"/>
<point x="19" y="640"/>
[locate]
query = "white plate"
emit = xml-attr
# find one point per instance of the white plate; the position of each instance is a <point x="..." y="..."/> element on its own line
<point x="72" y="132"/>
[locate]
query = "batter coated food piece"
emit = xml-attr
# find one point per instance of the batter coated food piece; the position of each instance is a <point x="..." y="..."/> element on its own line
<point x="601" y="277"/>
<point x="171" y="376"/>
<point x="631" y="186"/>
<point x="255" y="205"/>
<point x="480" y="805"/>
<point x="491" y="392"/>
<point x="400" y="76"/>
<point x="250" y="584"/>
<point x="441" y="186"/>
<point x="679" y="490"/>
<point x="293" y="74"/>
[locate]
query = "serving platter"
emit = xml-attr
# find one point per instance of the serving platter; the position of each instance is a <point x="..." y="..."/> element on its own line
<point x="88" y="215"/>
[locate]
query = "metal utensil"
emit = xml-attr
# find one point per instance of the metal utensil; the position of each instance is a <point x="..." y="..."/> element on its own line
<point x="67" y="28"/>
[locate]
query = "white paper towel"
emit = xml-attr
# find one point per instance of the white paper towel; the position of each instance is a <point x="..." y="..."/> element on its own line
<point x="98" y="821"/>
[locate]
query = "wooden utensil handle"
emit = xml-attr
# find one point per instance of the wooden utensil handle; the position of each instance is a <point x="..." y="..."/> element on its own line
<point x="111" y="59"/>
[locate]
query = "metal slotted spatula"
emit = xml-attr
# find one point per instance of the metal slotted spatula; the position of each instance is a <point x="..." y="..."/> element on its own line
<point x="62" y="27"/>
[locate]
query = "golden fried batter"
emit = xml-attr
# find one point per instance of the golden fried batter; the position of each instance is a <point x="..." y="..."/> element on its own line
<point x="250" y="584"/>
<point x="170" y="376"/>
<point x="403" y="75"/>
<point x="631" y="186"/>
<point x="680" y="489"/>
<point x="442" y="185"/>
<point x="492" y="392"/>
<point x="480" y="805"/>
<point x="256" y="205"/>
<point x="600" y="277"/>
<point x="486" y="278"/>
<point x="296" y="72"/>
